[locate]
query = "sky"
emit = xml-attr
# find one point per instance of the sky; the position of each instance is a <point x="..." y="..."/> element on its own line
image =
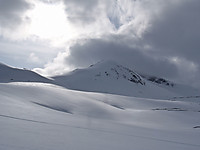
<point x="52" y="37"/>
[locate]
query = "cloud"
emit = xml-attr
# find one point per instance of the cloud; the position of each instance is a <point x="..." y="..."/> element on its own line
<point x="121" y="14"/>
<point x="56" y="67"/>
<point x="33" y="58"/>
<point x="155" y="37"/>
<point x="111" y="14"/>
<point x="17" y="53"/>
<point x="177" y="32"/>
<point x="176" y="35"/>
<point x="94" y="50"/>
<point x="12" y="17"/>
<point x="81" y="11"/>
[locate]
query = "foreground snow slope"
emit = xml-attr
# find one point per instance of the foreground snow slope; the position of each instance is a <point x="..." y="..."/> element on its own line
<point x="110" y="77"/>
<point x="43" y="116"/>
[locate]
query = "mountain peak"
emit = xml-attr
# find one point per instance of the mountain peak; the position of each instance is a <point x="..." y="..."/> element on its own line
<point x="114" y="70"/>
<point x="104" y="63"/>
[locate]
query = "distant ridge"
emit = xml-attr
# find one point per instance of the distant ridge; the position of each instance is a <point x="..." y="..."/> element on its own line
<point x="10" y="74"/>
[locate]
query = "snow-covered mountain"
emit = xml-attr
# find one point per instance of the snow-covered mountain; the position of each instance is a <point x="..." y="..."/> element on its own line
<point x="105" y="77"/>
<point x="45" y="116"/>
<point x="110" y="77"/>
<point x="10" y="74"/>
<point x="180" y="89"/>
<point x="158" y="80"/>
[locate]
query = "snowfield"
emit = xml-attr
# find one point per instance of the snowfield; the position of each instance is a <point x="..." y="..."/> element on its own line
<point x="43" y="116"/>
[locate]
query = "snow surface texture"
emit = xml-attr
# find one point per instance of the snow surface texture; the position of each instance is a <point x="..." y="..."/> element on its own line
<point x="110" y="77"/>
<point x="43" y="116"/>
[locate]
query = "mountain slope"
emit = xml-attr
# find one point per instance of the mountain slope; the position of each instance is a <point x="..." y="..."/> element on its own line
<point x="110" y="77"/>
<point x="9" y="74"/>
<point x="181" y="89"/>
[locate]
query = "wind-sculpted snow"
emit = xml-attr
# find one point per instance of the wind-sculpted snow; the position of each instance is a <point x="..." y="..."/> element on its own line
<point x="44" y="116"/>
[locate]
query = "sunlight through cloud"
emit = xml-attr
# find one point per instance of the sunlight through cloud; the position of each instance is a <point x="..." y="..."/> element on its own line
<point x="48" y="21"/>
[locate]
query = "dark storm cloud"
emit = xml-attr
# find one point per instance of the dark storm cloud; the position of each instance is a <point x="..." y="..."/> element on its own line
<point x="98" y="49"/>
<point x="173" y="34"/>
<point x="11" y="12"/>
<point x="177" y="32"/>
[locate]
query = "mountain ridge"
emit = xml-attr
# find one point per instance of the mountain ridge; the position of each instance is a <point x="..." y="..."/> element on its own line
<point x="111" y="77"/>
<point x="104" y="77"/>
<point x="11" y="74"/>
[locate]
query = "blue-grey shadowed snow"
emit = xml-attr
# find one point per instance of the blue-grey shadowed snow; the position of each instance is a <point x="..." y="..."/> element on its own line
<point x="197" y="127"/>
<point x="57" y="108"/>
